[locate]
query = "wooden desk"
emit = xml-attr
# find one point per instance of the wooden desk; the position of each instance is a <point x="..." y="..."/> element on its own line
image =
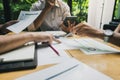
<point x="109" y="64"/>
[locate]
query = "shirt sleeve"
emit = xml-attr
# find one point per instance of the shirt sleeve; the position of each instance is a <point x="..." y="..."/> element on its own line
<point x="66" y="11"/>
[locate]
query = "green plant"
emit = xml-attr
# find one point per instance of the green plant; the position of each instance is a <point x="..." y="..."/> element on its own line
<point x="18" y="5"/>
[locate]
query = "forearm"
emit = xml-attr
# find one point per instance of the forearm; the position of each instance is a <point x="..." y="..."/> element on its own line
<point x="9" y="42"/>
<point x="115" y="39"/>
<point x="41" y="18"/>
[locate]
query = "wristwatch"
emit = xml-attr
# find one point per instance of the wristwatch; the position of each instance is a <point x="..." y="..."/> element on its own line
<point x="107" y="34"/>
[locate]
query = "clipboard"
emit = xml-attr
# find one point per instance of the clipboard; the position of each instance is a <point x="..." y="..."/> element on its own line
<point x="20" y="64"/>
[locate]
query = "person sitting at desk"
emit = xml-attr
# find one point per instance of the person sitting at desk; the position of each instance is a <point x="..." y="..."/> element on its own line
<point x="12" y="41"/>
<point x="84" y="29"/>
<point x="53" y="12"/>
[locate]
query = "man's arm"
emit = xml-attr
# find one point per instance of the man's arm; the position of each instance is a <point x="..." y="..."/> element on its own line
<point x="48" y="6"/>
<point x="115" y="39"/>
<point x="84" y="29"/>
<point x="9" y="42"/>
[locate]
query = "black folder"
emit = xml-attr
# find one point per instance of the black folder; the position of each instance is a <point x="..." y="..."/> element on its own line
<point x="19" y="64"/>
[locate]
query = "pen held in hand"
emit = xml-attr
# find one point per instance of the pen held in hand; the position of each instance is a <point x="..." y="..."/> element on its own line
<point x="54" y="50"/>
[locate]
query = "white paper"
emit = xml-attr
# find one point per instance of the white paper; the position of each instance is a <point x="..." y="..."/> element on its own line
<point x="25" y="19"/>
<point x="67" y="43"/>
<point x="86" y="45"/>
<point x="91" y="46"/>
<point x="69" y="70"/>
<point x="47" y="56"/>
<point x="24" y="53"/>
<point x="57" y="33"/>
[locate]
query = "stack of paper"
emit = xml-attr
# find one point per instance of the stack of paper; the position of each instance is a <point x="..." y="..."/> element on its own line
<point x="68" y="70"/>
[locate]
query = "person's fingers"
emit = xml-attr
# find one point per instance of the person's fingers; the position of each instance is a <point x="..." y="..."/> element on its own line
<point x="56" y="40"/>
<point x="117" y="29"/>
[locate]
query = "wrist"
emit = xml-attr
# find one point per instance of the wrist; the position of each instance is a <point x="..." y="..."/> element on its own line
<point x="107" y="35"/>
<point x="99" y="34"/>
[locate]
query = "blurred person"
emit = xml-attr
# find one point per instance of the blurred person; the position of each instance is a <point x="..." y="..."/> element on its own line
<point x="53" y="13"/>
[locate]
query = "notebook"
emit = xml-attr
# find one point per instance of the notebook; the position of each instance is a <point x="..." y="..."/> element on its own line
<point x="22" y="58"/>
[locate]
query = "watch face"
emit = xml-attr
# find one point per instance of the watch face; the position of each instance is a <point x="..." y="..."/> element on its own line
<point x="108" y="32"/>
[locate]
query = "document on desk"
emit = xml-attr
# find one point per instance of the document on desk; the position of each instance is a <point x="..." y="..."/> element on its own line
<point x="47" y="56"/>
<point x="20" y="54"/>
<point x="91" y="46"/>
<point x="57" y="34"/>
<point x="68" y="70"/>
<point x="25" y="19"/>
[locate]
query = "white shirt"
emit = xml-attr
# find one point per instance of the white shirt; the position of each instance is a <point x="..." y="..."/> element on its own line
<point x="55" y="17"/>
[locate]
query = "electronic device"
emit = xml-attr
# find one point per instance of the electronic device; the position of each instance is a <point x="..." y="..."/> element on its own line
<point x="72" y="19"/>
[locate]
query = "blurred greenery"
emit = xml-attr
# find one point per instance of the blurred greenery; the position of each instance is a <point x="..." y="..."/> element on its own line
<point x="117" y="10"/>
<point x="79" y="8"/>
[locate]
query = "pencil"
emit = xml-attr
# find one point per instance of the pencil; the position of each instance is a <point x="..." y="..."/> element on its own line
<point x="54" y="50"/>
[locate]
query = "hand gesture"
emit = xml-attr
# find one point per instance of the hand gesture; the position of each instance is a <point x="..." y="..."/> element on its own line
<point x="49" y="3"/>
<point x="67" y="28"/>
<point x="44" y="37"/>
<point x="84" y="29"/>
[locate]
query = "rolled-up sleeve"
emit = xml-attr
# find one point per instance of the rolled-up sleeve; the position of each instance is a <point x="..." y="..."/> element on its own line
<point x="66" y="11"/>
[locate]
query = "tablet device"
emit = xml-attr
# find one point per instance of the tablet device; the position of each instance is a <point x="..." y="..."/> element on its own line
<point x="72" y="19"/>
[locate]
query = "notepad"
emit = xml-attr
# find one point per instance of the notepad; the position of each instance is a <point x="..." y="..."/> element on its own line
<point x="25" y="52"/>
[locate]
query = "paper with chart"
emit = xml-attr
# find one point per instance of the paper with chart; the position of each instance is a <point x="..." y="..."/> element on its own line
<point x="91" y="46"/>
<point x="71" y="69"/>
<point x="25" y="19"/>
<point x="86" y="45"/>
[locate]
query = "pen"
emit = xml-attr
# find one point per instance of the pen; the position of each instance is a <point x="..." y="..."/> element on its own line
<point x="69" y="34"/>
<point x="54" y="50"/>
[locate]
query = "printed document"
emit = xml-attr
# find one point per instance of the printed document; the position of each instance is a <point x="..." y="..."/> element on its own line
<point x="71" y="69"/>
<point x="91" y="46"/>
<point x="86" y="45"/>
<point x="25" y="19"/>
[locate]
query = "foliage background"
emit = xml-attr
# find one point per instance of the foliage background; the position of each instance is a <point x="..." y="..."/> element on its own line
<point x="79" y="8"/>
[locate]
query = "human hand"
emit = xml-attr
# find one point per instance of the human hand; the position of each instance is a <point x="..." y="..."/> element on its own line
<point x="67" y="28"/>
<point x="7" y="24"/>
<point x="117" y="30"/>
<point x="44" y="37"/>
<point x="84" y="29"/>
<point x="49" y="3"/>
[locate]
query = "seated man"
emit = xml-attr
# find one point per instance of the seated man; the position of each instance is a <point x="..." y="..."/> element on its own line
<point x="84" y="29"/>
<point x="12" y="41"/>
<point x="53" y="12"/>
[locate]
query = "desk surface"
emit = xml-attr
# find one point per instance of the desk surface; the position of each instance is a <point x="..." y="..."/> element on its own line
<point x="108" y="64"/>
